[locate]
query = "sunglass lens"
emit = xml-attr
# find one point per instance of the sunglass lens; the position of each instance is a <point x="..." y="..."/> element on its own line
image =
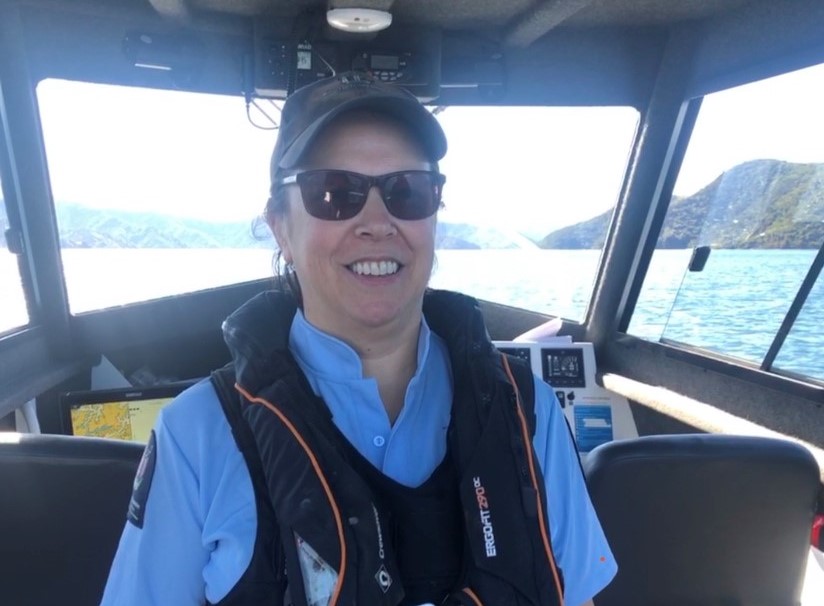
<point x="331" y="195"/>
<point x="411" y="196"/>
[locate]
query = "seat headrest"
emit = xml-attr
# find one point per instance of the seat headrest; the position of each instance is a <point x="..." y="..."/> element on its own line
<point x="704" y="519"/>
<point x="62" y="510"/>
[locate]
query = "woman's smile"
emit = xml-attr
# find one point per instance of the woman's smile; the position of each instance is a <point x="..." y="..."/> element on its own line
<point x="383" y="267"/>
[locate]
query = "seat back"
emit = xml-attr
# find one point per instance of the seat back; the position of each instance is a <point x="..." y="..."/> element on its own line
<point x="63" y="504"/>
<point x="702" y="520"/>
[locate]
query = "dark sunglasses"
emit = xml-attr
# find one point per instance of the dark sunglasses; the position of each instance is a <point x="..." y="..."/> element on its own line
<point x="338" y="195"/>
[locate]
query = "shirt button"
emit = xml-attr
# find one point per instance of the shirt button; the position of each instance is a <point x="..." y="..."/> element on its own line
<point x="378" y="441"/>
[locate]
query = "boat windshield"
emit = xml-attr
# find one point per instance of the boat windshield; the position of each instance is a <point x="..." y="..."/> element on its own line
<point x="156" y="192"/>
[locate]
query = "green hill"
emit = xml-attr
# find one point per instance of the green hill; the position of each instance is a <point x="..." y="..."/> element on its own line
<point x="758" y="204"/>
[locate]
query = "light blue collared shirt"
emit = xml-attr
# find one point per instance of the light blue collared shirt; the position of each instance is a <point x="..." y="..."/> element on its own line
<point x="200" y="519"/>
<point x="407" y="451"/>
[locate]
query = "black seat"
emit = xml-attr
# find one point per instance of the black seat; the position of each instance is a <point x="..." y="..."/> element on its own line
<point x="704" y="520"/>
<point x="63" y="504"/>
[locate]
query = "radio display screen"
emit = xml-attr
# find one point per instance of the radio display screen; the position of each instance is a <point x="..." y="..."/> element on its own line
<point x="384" y="62"/>
<point x="563" y="367"/>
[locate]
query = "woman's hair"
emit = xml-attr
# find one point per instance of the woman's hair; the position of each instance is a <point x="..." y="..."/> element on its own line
<point x="277" y="208"/>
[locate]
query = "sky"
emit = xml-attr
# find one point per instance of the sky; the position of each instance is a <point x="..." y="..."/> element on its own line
<point x="779" y="118"/>
<point x="529" y="169"/>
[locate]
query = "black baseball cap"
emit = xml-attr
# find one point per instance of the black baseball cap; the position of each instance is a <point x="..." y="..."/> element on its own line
<point x="309" y="109"/>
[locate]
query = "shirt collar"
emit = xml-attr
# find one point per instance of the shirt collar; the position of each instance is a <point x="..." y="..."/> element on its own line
<point x="321" y="354"/>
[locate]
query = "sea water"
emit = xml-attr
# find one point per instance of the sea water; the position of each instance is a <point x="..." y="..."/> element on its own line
<point x="734" y="306"/>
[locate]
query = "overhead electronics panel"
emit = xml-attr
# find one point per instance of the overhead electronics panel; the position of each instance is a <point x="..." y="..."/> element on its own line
<point x="283" y="63"/>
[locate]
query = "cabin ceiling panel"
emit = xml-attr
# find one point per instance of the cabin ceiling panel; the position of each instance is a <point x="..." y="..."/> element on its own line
<point x="650" y="12"/>
<point x="64" y="44"/>
<point x="461" y="14"/>
<point x="178" y="9"/>
<point x="251" y="8"/>
<point x="600" y="67"/>
<point x="454" y="14"/>
<point x="765" y="39"/>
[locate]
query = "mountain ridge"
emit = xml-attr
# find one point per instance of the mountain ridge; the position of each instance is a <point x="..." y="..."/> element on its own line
<point x="756" y="204"/>
<point x="86" y="227"/>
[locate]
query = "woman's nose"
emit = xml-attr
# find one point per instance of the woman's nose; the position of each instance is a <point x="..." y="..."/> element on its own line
<point x="375" y="219"/>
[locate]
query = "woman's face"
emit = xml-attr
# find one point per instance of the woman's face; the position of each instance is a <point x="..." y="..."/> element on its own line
<point x="331" y="257"/>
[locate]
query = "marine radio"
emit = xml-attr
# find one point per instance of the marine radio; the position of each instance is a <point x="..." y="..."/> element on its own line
<point x="281" y="65"/>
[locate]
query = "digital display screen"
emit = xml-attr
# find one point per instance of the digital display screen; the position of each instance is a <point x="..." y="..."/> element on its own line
<point x="124" y="413"/>
<point x="563" y="367"/>
<point x="384" y="62"/>
<point x="131" y="421"/>
<point x="304" y="59"/>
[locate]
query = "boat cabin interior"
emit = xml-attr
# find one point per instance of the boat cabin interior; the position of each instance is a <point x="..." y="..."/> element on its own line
<point x="678" y="317"/>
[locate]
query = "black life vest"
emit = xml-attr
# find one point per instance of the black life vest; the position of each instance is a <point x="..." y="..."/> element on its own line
<point x="476" y="532"/>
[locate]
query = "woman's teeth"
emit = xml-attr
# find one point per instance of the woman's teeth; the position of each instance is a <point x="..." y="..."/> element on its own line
<point x="374" y="268"/>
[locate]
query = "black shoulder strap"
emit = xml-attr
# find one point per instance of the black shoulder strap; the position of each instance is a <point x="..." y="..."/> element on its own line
<point x="522" y="373"/>
<point x="524" y="378"/>
<point x="223" y="381"/>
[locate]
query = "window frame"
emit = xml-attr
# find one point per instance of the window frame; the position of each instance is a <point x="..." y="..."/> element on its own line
<point x="10" y="199"/>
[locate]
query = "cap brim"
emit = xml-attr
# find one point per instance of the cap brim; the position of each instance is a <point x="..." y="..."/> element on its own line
<point x="408" y="111"/>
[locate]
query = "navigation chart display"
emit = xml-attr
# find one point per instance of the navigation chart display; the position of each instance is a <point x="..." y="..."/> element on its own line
<point x="119" y="420"/>
<point x="120" y="414"/>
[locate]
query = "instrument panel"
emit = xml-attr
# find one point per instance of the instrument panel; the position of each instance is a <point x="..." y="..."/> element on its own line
<point x="594" y="414"/>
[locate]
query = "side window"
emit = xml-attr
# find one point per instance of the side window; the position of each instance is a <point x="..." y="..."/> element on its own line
<point x="800" y="353"/>
<point x="528" y="199"/>
<point x="751" y="191"/>
<point x="13" y="313"/>
<point x="155" y="191"/>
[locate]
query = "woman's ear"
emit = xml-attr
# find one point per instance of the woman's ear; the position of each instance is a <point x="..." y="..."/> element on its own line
<point x="277" y="222"/>
<point x="280" y="230"/>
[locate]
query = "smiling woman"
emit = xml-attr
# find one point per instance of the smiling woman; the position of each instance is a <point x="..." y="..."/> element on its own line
<point x="384" y="437"/>
<point x="356" y="390"/>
